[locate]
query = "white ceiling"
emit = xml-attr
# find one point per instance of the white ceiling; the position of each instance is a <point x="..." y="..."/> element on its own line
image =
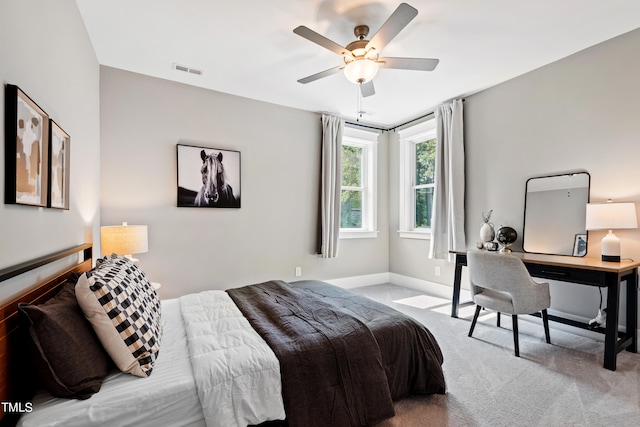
<point x="248" y="48"/>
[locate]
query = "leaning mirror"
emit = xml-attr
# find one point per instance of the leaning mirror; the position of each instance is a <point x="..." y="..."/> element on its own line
<point x="554" y="214"/>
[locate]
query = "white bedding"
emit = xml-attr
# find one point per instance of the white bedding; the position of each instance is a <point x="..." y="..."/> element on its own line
<point x="237" y="373"/>
<point x="166" y="398"/>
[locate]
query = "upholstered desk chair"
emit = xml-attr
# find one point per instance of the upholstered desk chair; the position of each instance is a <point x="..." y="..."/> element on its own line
<point x="502" y="283"/>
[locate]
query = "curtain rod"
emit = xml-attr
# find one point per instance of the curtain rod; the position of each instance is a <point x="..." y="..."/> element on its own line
<point x="365" y="126"/>
<point x="395" y="127"/>
<point x="413" y="120"/>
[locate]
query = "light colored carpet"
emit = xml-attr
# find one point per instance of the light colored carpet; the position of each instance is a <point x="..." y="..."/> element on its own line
<point x="557" y="384"/>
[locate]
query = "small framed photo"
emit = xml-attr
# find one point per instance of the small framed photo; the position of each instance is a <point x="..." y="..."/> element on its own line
<point x="59" y="156"/>
<point x="208" y="177"/>
<point x="580" y="245"/>
<point x="26" y="149"/>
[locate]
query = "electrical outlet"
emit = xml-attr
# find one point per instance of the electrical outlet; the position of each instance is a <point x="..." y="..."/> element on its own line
<point x="437" y="270"/>
<point x="298" y="271"/>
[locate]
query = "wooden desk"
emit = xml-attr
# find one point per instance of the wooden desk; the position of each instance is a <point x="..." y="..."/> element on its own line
<point x="585" y="271"/>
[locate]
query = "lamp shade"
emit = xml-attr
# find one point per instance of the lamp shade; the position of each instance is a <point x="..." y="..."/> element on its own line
<point x="361" y="70"/>
<point x="611" y="216"/>
<point x="124" y="239"/>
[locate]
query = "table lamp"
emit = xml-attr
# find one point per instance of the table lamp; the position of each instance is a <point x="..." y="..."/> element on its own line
<point x="611" y="216"/>
<point x="124" y="240"/>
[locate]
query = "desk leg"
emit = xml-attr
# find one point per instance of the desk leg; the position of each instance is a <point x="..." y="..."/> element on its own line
<point x="632" y="311"/>
<point x="611" y="332"/>
<point x="457" y="279"/>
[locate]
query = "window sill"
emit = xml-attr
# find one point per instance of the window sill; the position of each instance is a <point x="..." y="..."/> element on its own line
<point x="360" y="234"/>
<point x="422" y="235"/>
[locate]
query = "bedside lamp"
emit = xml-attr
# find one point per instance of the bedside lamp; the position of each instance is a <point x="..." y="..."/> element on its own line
<point x="611" y="216"/>
<point x="124" y="240"/>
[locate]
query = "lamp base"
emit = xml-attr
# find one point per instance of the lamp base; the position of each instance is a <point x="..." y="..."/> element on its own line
<point x="610" y="248"/>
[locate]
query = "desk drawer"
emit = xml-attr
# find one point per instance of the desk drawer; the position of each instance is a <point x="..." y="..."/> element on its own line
<point x="566" y="274"/>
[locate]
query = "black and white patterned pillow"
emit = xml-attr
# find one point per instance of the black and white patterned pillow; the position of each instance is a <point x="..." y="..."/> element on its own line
<point x="124" y="310"/>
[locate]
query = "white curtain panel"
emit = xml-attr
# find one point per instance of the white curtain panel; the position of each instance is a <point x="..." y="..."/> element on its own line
<point x="332" y="128"/>
<point x="448" y="201"/>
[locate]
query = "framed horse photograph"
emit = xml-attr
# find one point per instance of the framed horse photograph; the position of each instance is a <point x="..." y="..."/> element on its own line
<point x="208" y="177"/>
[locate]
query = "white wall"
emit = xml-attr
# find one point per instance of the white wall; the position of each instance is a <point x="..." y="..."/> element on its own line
<point x="192" y="249"/>
<point x="45" y="50"/>
<point x="579" y="113"/>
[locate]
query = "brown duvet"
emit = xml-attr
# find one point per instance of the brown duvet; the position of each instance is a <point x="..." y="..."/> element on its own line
<point x="344" y="358"/>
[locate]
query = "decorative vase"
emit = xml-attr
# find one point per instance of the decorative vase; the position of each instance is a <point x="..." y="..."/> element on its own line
<point x="487" y="232"/>
<point x="506" y="236"/>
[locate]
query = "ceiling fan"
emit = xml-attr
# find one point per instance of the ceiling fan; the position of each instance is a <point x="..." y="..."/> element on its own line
<point x="362" y="57"/>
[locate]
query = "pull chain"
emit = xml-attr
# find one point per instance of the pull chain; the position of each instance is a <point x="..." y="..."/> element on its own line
<point x="358" y="103"/>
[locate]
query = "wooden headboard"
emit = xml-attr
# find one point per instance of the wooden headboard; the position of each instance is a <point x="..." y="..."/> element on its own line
<point x="14" y="368"/>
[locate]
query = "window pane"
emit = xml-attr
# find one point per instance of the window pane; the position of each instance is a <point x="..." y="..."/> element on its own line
<point x="424" y="206"/>
<point x="351" y="166"/>
<point x="351" y="209"/>
<point x="425" y="162"/>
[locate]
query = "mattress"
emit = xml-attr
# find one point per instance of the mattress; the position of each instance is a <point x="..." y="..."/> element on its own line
<point x="166" y="398"/>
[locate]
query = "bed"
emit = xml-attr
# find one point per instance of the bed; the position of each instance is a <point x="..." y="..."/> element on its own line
<point x="305" y="352"/>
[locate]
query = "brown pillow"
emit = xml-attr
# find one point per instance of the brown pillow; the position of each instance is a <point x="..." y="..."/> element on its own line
<point x="66" y="352"/>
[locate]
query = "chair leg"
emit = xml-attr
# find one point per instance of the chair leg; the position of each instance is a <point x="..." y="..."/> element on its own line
<point x="545" y="322"/>
<point x="475" y="318"/>
<point x="498" y="319"/>
<point x="514" y="320"/>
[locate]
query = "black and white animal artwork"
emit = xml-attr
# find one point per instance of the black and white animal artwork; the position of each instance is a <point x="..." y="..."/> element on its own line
<point x="215" y="190"/>
<point x="210" y="185"/>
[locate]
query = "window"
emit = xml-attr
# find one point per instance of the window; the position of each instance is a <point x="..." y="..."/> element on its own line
<point x="424" y="164"/>
<point x="352" y="187"/>
<point x="417" y="179"/>
<point x="358" y="191"/>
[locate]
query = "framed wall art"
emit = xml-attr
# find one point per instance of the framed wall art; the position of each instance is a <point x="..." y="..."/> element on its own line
<point x="59" y="156"/>
<point x="26" y="149"/>
<point x="580" y="245"/>
<point x="208" y="177"/>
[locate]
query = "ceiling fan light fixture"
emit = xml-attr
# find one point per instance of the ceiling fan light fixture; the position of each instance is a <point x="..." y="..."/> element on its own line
<point x="361" y="70"/>
<point x="372" y="54"/>
<point x="359" y="52"/>
<point x="362" y="56"/>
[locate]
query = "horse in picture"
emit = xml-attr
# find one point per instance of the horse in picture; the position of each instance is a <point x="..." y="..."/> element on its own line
<point x="215" y="191"/>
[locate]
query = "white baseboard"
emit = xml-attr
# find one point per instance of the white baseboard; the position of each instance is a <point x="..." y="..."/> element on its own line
<point x="432" y="288"/>
<point x="445" y="291"/>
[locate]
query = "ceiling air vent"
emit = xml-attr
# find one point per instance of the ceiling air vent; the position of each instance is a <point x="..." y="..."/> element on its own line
<point x="187" y="69"/>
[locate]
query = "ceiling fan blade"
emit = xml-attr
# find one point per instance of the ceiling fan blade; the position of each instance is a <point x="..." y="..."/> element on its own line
<point x="392" y="26"/>
<point x="321" y="74"/>
<point x="367" y="89"/>
<point x="321" y="40"/>
<point x="420" y="64"/>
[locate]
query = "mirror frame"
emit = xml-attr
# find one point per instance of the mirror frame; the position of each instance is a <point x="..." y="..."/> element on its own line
<point x="524" y="219"/>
